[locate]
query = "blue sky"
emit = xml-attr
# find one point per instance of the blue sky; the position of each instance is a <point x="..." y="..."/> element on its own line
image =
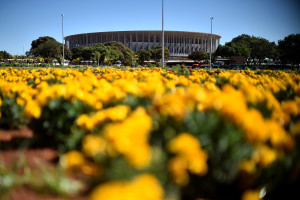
<point x="22" y="21"/>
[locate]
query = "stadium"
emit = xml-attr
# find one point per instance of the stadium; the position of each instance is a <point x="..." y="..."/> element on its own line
<point x="179" y="43"/>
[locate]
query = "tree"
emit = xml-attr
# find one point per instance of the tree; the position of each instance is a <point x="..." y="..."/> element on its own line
<point x="243" y="39"/>
<point x="225" y="51"/>
<point x="68" y="52"/>
<point x="77" y="53"/>
<point x="107" y="53"/>
<point x="48" y="48"/>
<point x="143" y="55"/>
<point x="259" y="48"/>
<point x="112" y="56"/>
<point x="249" y="46"/>
<point x="127" y="54"/>
<point x="289" y="49"/>
<point x="240" y="49"/>
<point x="233" y="49"/>
<point x="97" y="56"/>
<point x="198" y="55"/>
<point x="102" y="49"/>
<point x="156" y="53"/>
<point x="39" y="59"/>
<point x="77" y="60"/>
<point x="273" y="52"/>
<point x="4" y="55"/>
<point x="29" y="54"/>
<point x="86" y="53"/>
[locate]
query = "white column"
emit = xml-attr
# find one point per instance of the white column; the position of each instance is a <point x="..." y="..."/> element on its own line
<point x="149" y="40"/>
<point x="143" y="40"/>
<point x="130" y="40"/>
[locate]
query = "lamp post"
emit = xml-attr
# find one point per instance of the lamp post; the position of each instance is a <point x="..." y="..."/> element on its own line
<point x="210" y="42"/>
<point x="63" y="60"/>
<point x="163" y="37"/>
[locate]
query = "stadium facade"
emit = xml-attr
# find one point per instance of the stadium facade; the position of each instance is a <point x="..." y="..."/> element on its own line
<point x="180" y="43"/>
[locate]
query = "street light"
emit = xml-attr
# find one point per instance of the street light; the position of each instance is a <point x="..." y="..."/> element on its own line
<point x="63" y="60"/>
<point x="210" y="42"/>
<point x="163" y="37"/>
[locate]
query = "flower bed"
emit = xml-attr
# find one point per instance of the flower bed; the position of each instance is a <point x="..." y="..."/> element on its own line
<point x="157" y="133"/>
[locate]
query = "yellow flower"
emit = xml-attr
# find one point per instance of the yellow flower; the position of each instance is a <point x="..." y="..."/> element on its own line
<point x="132" y="132"/>
<point x="172" y="105"/>
<point x="188" y="156"/>
<point x="20" y="101"/>
<point x="117" y="113"/>
<point x="140" y="158"/>
<point x="278" y="135"/>
<point x="281" y="117"/>
<point x="184" y="143"/>
<point x="32" y="109"/>
<point x="90" y="169"/>
<point x="251" y="195"/>
<point x="93" y="144"/>
<point x="254" y="126"/>
<point x="264" y="155"/>
<point x="144" y="186"/>
<point x="197" y="163"/>
<point x="46" y="93"/>
<point x="248" y="166"/>
<point x="111" y="190"/>
<point x="85" y="122"/>
<point x="147" y="187"/>
<point x="290" y="107"/>
<point x="72" y="160"/>
<point x="210" y="86"/>
<point x="295" y="130"/>
<point x="177" y="166"/>
<point x="252" y="93"/>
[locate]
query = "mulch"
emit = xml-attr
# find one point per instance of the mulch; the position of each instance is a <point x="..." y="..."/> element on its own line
<point x="24" y="193"/>
<point x="34" y="158"/>
<point x="8" y="135"/>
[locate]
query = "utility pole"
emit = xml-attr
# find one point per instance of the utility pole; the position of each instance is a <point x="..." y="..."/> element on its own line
<point x="163" y="37"/>
<point x="210" y="42"/>
<point x="63" y="43"/>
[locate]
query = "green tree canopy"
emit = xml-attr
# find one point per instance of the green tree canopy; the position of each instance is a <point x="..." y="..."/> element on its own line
<point x="109" y="53"/>
<point x="249" y="46"/>
<point x="68" y="52"/>
<point x="77" y="53"/>
<point x="224" y="51"/>
<point x="97" y="56"/>
<point x="47" y="47"/>
<point x="198" y="55"/>
<point x="260" y="48"/>
<point x="243" y="39"/>
<point x="156" y="53"/>
<point x="112" y="56"/>
<point x="289" y="49"/>
<point x="40" y="40"/>
<point x="143" y="55"/>
<point x="126" y="56"/>
<point x="4" y="55"/>
<point x="240" y="49"/>
<point x="102" y="49"/>
<point x="87" y="53"/>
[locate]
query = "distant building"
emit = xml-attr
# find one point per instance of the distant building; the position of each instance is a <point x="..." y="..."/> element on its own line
<point x="180" y="43"/>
